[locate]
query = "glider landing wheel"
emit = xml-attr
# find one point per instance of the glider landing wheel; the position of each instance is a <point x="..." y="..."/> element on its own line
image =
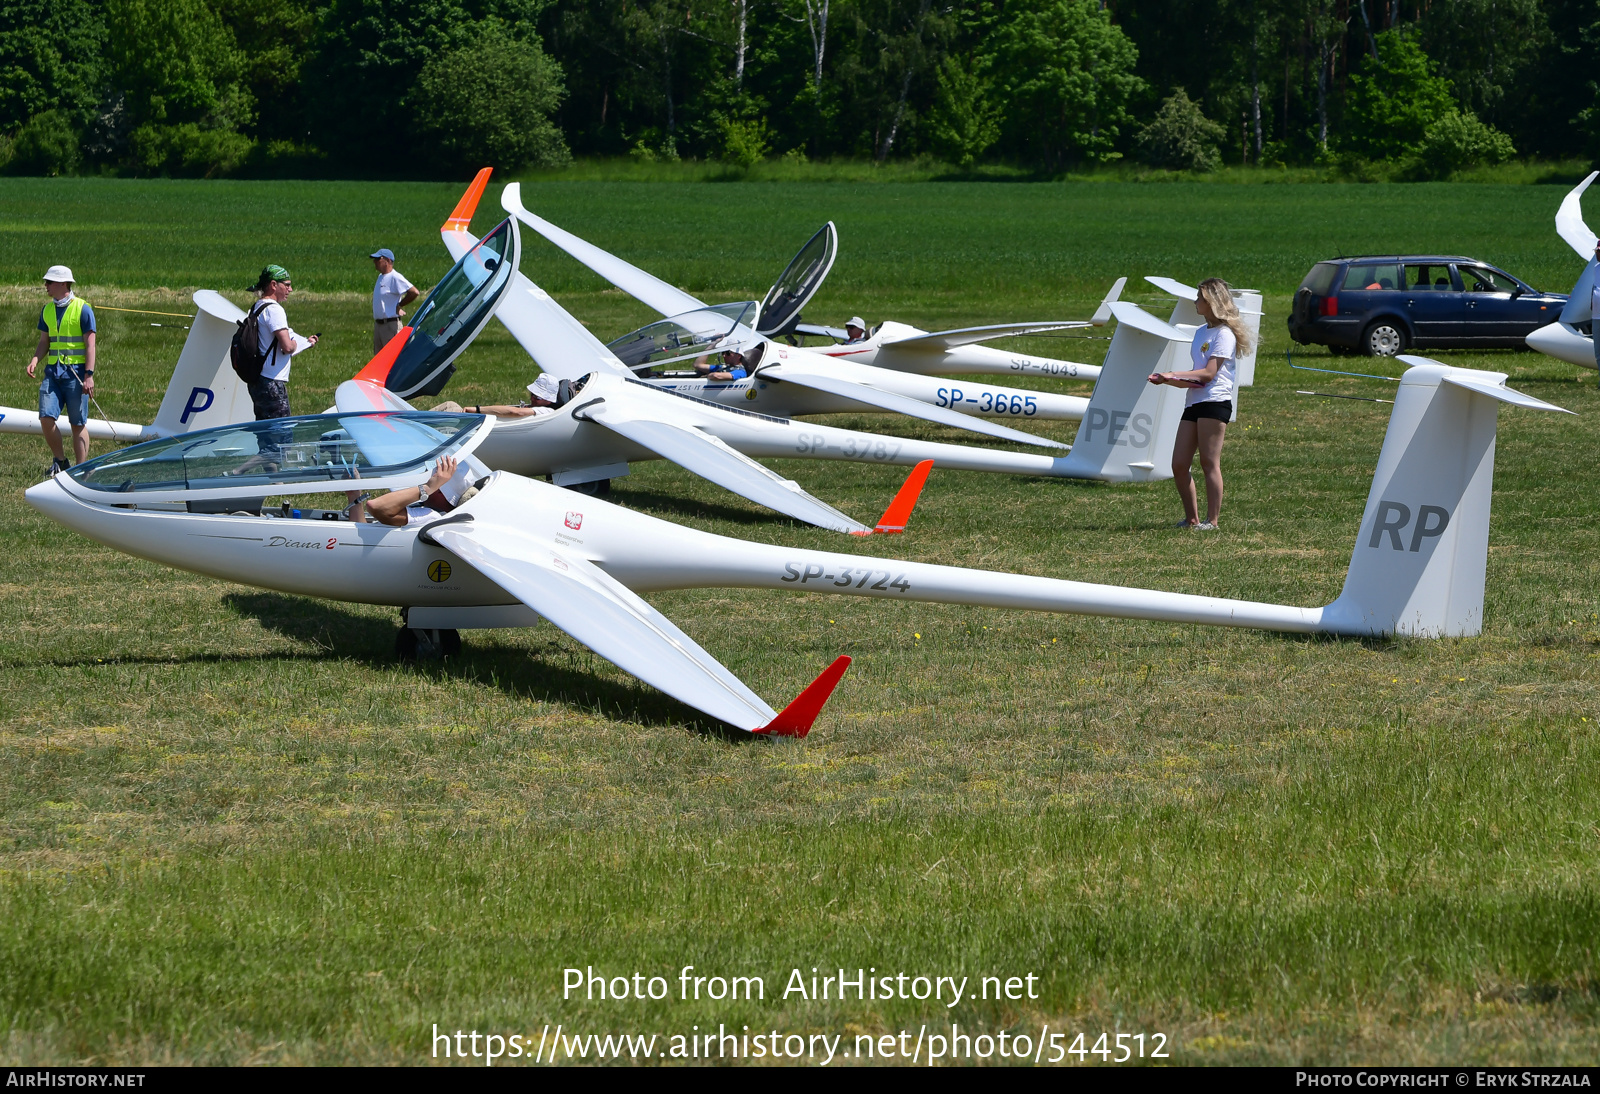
<point x="599" y="488"/>
<point x="1384" y="339"/>
<point x="415" y="644"/>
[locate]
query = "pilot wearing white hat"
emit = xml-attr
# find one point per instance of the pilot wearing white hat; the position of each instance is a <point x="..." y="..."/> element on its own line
<point x="856" y="328"/>
<point x="543" y="394"/>
<point x="67" y="344"/>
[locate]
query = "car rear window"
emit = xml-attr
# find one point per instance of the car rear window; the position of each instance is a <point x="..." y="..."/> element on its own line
<point x="1429" y="277"/>
<point x="1320" y="280"/>
<point x="1377" y="275"/>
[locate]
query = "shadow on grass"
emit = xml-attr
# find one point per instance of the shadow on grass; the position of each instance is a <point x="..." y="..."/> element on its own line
<point x="551" y="673"/>
<point x="655" y="502"/>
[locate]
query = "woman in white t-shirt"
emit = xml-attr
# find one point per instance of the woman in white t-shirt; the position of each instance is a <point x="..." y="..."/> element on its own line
<point x="1210" y="384"/>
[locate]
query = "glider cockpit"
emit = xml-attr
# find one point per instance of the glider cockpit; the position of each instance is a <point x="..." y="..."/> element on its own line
<point x="211" y="468"/>
<point x="691" y="335"/>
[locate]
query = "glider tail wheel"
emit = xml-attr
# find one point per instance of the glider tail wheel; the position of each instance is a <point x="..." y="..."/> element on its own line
<point x="416" y="644"/>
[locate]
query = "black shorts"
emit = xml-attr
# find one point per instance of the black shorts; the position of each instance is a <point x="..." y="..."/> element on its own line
<point x="1219" y="412"/>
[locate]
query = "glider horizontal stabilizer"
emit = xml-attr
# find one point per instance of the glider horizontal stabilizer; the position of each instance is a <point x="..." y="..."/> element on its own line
<point x="1570" y="224"/>
<point x="939" y="341"/>
<point x="901" y="404"/>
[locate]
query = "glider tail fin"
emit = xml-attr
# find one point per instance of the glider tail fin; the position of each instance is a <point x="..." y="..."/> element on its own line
<point x="795" y="720"/>
<point x="204" y="390"/>
<point x="898" y="515"/>
<point x="1129" y="427"/>
<point x="1419" y="559"/>
<point x="1102" y="314"/>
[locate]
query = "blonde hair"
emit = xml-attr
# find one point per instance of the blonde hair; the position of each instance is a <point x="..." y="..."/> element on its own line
<point x="1215" y="291"/>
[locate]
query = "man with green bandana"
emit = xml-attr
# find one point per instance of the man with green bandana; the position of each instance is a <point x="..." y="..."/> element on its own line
<point x="278" y="344"/>
<point x="66" y="342"/>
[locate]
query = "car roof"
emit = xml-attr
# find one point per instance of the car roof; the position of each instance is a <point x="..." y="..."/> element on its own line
<point x="1408" y="258"/>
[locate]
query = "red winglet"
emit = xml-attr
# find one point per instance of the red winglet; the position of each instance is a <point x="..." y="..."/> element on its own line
<point x="461" y="218"/>
<point x="377" y="370"/>
<point x="898" y="515"/>
<point x="796" y="718"/>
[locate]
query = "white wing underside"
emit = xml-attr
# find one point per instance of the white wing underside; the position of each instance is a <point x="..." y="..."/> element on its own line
<point x="616" y="623"/>
<point x="1570" y="224"/>
<point x="715" y="461"/>
<point x="901" y="404"/>
<point x="644" y="287"/>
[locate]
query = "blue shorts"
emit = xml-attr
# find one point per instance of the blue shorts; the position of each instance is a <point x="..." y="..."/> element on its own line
<point x="61" y="390"/>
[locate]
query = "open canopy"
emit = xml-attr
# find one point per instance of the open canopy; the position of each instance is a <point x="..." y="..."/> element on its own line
<point x="315" y="451"/>
<point x="454" y="312"/>
<point x="798" y="283"/>
<point x="713" y="329"/>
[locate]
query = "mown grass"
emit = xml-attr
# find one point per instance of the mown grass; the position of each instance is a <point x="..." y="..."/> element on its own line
<point x="233" y="828"/>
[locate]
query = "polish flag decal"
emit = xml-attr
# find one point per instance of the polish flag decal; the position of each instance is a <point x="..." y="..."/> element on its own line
<point x="574" y="521"/>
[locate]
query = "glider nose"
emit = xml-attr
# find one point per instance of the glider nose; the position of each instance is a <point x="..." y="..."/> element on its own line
<point x="1560" y="342"/>
<point x="50" y="498"/>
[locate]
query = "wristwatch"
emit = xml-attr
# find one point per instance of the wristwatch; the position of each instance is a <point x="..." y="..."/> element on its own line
<point x="422" y="494"/>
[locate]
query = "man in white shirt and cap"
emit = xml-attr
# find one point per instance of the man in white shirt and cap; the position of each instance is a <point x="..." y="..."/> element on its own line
<point x="856" y="330"/>
<point x="390" y="294"/>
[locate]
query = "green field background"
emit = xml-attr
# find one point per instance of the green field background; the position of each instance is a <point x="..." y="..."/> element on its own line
<point x="233" y="828"/>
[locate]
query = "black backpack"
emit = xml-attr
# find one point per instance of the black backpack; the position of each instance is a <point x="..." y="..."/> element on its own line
<point x="245" y="349"/>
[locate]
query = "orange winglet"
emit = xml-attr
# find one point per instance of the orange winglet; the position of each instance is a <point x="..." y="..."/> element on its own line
<point x="898" y="515"/>
<point x="377" y="370"/>
<point x="461" y="218"/>
<point x="796" y="718"/>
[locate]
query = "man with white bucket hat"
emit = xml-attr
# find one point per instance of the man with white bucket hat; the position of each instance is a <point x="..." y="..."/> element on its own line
<point x="66" y="342"/>
<point x="856" y="329"/>
<point x="544" y="394"/>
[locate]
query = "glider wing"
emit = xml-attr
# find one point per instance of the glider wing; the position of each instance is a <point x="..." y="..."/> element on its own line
<point x="1570" y="224"/>
<point x="713" y="460"/>
<point x="966" y="336"/>
<point x="605" y="615"/>
<point x="646" y="288"/>
<point x="902" y="404"/>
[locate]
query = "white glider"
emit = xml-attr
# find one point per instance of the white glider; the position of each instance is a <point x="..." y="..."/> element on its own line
<point x="1570" y="338"/>
<point x="203" y="392"/>
<point x="787" y="380"/>
<point x="521" y="549"/>
<point x="608" y="419"/>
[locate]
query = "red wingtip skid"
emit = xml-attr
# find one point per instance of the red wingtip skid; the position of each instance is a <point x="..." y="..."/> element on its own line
<point x="796" y="718"/>
<point x="898" y="515"/>
<point x="377" y="370"/>
<point x="461" y="218"/>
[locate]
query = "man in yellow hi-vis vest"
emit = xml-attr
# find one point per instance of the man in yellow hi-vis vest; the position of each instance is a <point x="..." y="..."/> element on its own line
<point x="66" y="342"/>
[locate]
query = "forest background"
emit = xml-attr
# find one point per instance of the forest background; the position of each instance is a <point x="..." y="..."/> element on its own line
<point x="1370" y="89"/>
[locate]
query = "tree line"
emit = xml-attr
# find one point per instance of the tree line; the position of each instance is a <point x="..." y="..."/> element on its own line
<point x="435" y="88"/>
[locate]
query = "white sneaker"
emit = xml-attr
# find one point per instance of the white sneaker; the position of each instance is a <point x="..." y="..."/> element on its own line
<point x="1205" y="526"/>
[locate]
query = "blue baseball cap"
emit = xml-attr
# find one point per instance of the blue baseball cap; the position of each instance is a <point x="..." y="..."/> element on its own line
<point x="383" y="252"/>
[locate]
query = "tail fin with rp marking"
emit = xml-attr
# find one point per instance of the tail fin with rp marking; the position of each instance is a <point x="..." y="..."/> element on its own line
<point x="1421" y="553"/>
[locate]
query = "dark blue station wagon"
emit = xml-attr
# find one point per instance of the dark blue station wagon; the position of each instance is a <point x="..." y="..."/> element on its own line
<point x="1388" y="304"/>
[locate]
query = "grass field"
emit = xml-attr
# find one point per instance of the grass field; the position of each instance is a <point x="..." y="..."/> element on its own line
<point x="233" y="828"/>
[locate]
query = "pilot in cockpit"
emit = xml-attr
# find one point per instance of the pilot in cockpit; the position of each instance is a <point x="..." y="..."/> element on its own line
<point x="855" y="330"/>
<point x="544" y="395"/>
<point x="733" y="367"/>
<point x="450" y="485"/>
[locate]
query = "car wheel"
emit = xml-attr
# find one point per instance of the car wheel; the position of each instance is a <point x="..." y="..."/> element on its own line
<point x="1384" y="339"/>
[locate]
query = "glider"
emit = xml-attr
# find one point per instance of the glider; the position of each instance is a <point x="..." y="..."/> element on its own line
<point x="520" y="549"/>
<point x="607" y="418"/>
<point x="204" y="390"/>
<point x="905" y="348"/>
<point x="1570" y="338"/>
<point x="787" y="380"/>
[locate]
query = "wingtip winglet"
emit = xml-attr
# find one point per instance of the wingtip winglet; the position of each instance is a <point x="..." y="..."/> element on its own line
<point x="898" y="515"/>
<point x="461" y="217"/>
<point x="377" y="370"/>
<point x="795" y="719"/>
